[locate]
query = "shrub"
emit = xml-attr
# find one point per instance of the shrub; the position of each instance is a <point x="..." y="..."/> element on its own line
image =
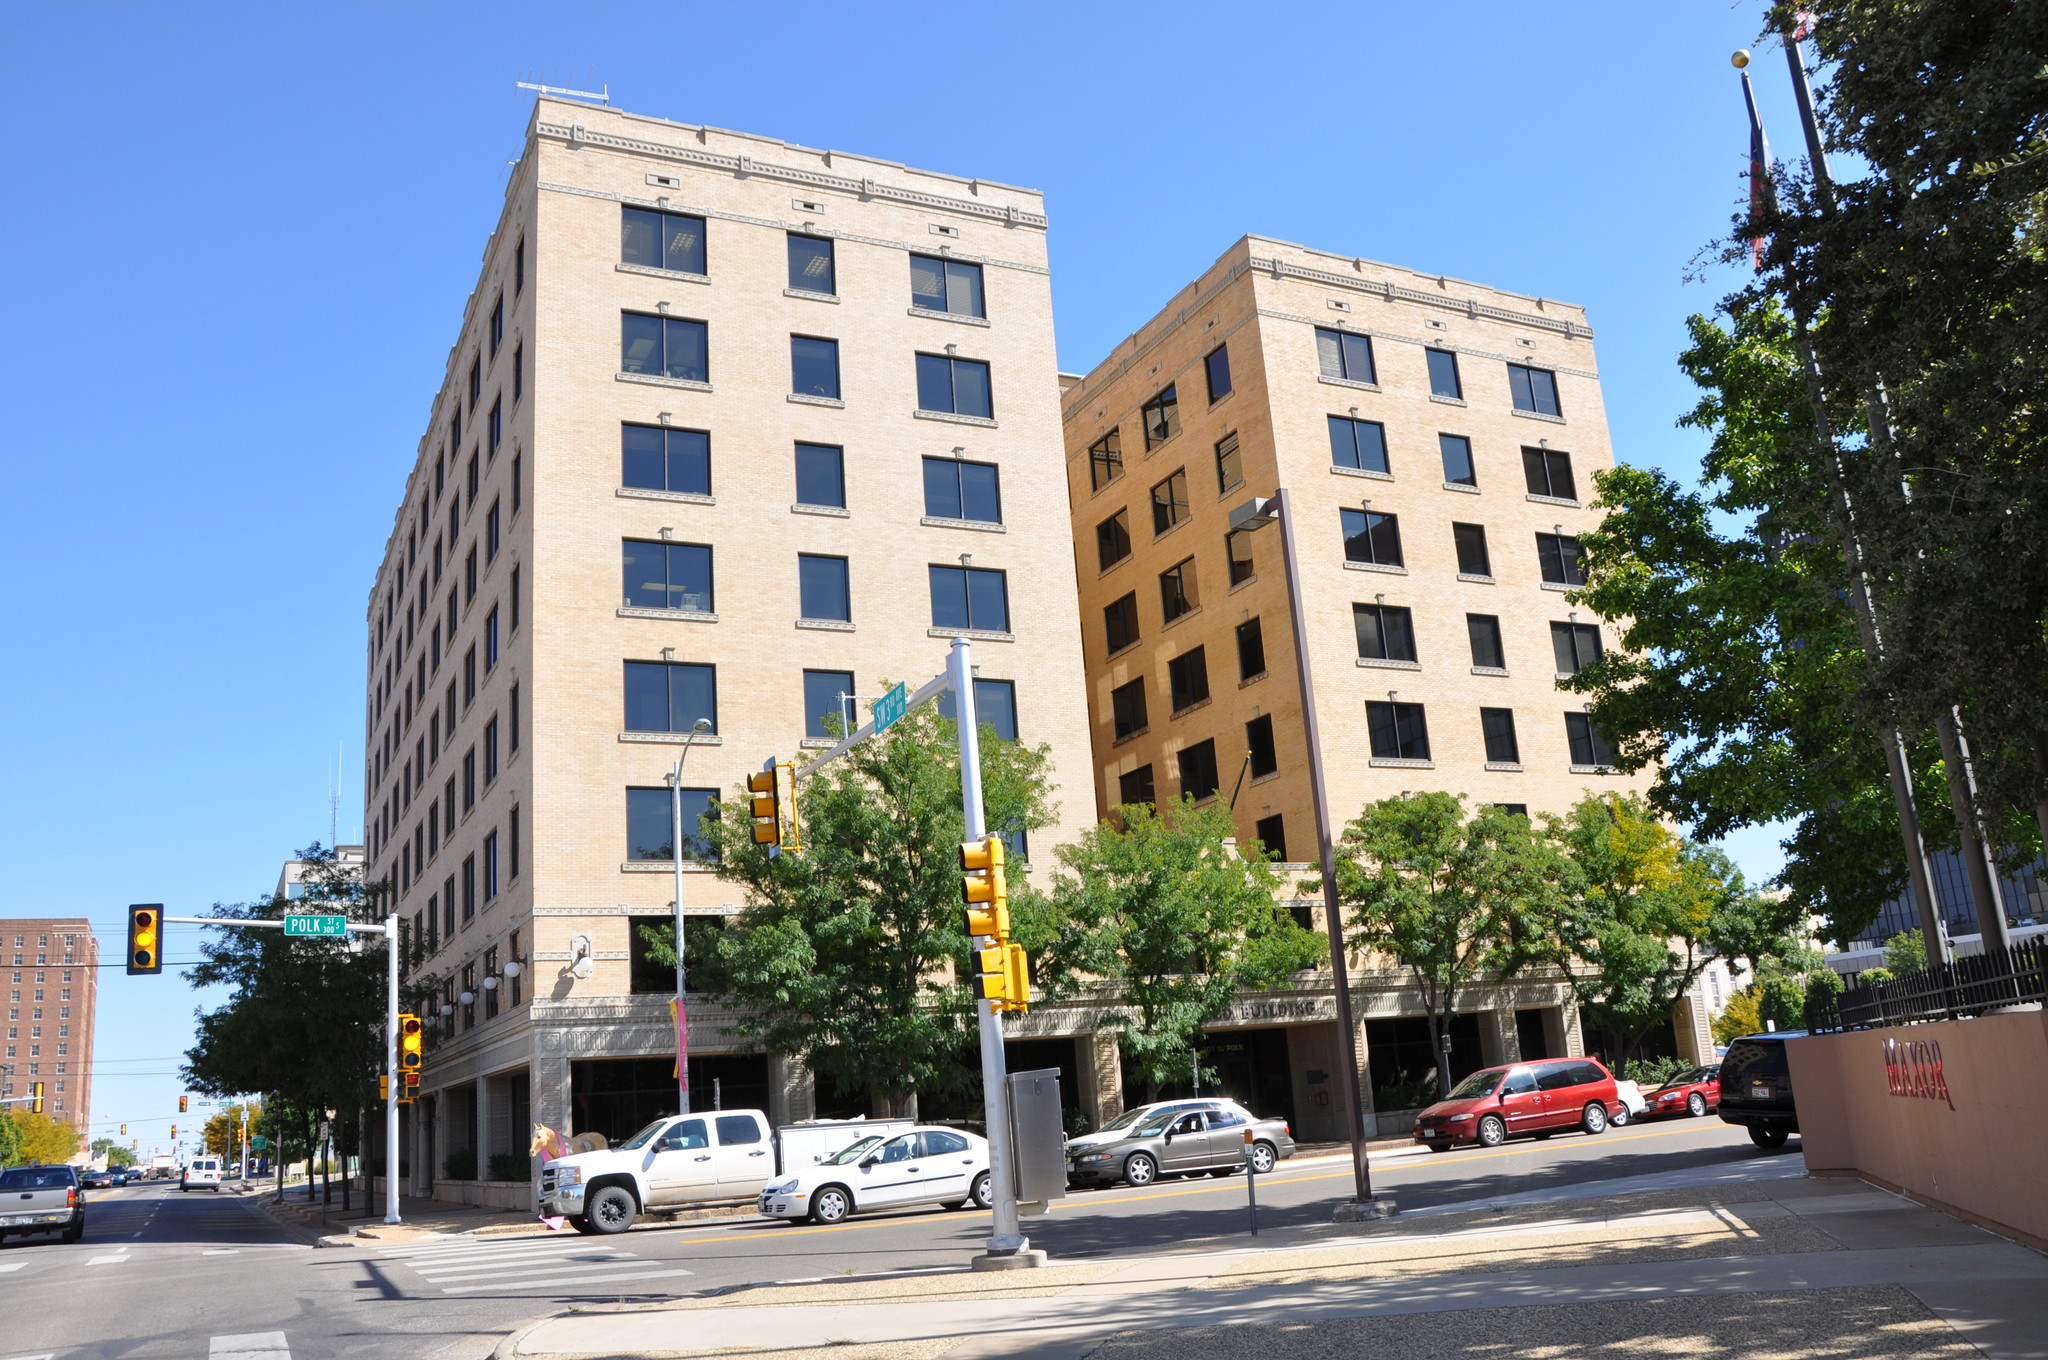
<point x="1740" y="1018"/>
<point x="510" y="1166"/>
<point x="460" y="1166"/>
<point x="1650" y="1073"/>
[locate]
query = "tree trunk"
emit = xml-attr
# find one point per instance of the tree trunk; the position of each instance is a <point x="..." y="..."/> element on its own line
<point x="1439" y="1031"/>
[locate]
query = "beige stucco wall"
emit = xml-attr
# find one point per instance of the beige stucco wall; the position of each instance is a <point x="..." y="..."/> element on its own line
<point x="1975" y="1152"/>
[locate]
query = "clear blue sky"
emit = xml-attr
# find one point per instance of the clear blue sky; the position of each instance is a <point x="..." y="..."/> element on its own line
<point x="238" y="240"/>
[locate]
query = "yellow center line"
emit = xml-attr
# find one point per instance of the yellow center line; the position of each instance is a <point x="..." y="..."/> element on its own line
<point x="732" y="1235"/>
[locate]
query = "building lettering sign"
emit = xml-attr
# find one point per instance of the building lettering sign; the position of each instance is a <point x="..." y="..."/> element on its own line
<point x="1307" y="1008"/>
<point x="1913" y="1070"/>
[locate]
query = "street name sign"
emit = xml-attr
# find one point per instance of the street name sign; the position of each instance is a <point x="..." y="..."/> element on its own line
<point x="889" y="709"/>
<point x="316" y="925"/>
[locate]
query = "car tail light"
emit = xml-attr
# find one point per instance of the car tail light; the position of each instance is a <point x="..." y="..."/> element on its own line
<point x="71" y="1198"/>
<point x="1287" y="1128"/>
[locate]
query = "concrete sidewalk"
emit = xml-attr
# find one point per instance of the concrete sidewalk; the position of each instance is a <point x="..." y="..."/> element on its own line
<point x="1781" y="1267"/>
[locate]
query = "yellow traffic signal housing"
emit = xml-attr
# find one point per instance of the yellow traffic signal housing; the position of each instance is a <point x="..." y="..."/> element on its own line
<point x="383" y="1086"/>
<point x="174" y="1133"/>
<point x="412" y="1087"/>
<point x="124" y="1130"/>
<point x="181" y="1104"/>
<point x="771" y="797"/>
<point x="1004" y="977"/>
<point x="411" y="1034"/>
<point x="145" y="939"/>
<point x="35" y="1098"/>
<point x="984" y="889"/>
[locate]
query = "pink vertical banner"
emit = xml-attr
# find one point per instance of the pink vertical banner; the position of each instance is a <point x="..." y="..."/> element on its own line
<point x="682" y="1019"/>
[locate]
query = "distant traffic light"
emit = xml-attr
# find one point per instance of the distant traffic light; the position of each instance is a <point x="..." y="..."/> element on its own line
<point x="174" y="1133"/>
<point x="984" y="889"/>
<point x="411" y="1035"/>
<point x="181" y="1104"/>
<point x="35" y="1098"/>
<point x="124" y="1130"/>
<point x="145" y="939"/>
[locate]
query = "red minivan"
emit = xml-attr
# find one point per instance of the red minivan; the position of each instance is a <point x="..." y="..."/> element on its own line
<point x="1538" y="1098"/>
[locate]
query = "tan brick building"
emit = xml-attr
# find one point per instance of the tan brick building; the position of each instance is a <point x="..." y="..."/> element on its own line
<point x="52" y="968"/>
<point x="1438" y="441"/>
<point x="804" y="406"/>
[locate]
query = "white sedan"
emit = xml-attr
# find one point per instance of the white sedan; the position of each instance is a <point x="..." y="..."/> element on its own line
<point x="921" y="1166"/>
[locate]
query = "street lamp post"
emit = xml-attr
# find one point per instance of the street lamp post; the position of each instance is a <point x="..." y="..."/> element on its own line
<point x="1252" y="515"/>
<point x="675" y="801"/>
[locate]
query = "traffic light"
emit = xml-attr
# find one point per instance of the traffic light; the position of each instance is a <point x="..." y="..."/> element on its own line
<point x="174" y="1133"/>
<point x="984" y="889"/>
<point x="410" y="1038"/>
<point x="182" y="1104"/>
<point x="145" y="939"/>
<point x="35" y="1098"/>
<point x="124" y="1130"/>
<point x="411" y="1088"/>
<point x="772" y="798"/>
<point x="383" y="1086"/>
<point x="1004" y="977"/>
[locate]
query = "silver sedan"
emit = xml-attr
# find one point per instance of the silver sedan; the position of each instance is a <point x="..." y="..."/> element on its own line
<point x="1174" y="1142"/>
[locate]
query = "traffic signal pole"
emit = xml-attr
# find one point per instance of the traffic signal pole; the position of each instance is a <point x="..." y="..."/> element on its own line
<point x="1005" y="1237"/>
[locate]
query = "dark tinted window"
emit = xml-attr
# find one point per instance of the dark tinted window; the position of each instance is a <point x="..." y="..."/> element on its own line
<point x="1229" y="463"/>
<point x="658" y="240"/>
<point x="959" y="386"/>
<point x="1237" y="547"/>
<point x="959" y="490"/>
<point x="1443" y="374"/>
<point x="1575" y="646"/>
<point x="1397" y="731"/>
<point x="1561" y="559"/>
<point x="1498" y="727"/>
<point x="1161" y="416"/>
<point x="1251" y="650"/>
<point x="1554" y="1076"/>
<point x="734" y="1129"/>
<point x="1360" y="444"/>
<point x="1457" y="455"/>
<point x="1135" y="786"/>
<point x="1113" y="540"/>
<point x="1177" y="594"/>
<point x="1217" y="366"/>
<point x="1187" y="679"/>
<point x="1549" y="473"/>
<point x="1198" y="770"/>
<point x="939" y="1144"/>
<point x="940" y="285"/>
<point x="649" y="826"/>
<point x="821" y="475"/>
<point x="1484" y="631"/>
<point x="1534" y="389"/>
<point x="668" y="576"/>
<point x="664" y="346"/>
<point x="1473" y="559"/>
<point x="1272" y="833"/>
<point x="1749" y="1058"/>
<point x="666" y="696"/>
<point x="970" y="597"/>
<point x="1589" y="746"/>
<point x="1340" y="354"/>
<point x="810" y="264"/>
<point x="1385" y="632"/>
<point x="823" y="714"/>
<point x="1170" y="502"/>
<point x="1258" y="744"/>
<point x="1105" y="460"/>
<point x="823" y="588"/>
<point x="813" y="366"/>
<point x="1120" y="622"/>
<point x="995" y="706"/>
<point x="1371" y="537"/>
<point x="657" y="459"/>
<point x="1127" y="712"/>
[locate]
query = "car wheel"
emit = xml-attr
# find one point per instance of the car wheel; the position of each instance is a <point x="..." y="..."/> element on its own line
<point x="1222" y="1171"/>
<point x="1492" y="1133"/>
<point x="1594" y="1118"/>
<point x="1439" y="1147"/>
<point x="1540" y="1137"/>
<point x="1140" y="1169"/>
<point x="74" y="1232"/>
<point x="983" y="1192"/>
<point x="831" y="1205"/>
<point x="1770" y="1136"/>
<point x="612" y="1210"/>
<point x="582" y="1224"/>
<point x="1264" y="1157"/>
<point x="1696" y="1105"/>
<point x="1620" y="1117"/>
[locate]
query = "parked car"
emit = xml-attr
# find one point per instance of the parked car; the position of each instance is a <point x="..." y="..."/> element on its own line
<point x="1632" y="1102"/>
<point x="1692" y="1093"/>
<point x="923" y="1165"/>
<point x="202" y="1173"/>
<point x="40" y="1199"/>
<point x="1538" y="1099"/>
<point x="1118" y="1128"/>
<point x="1174" y="1141"/>
<point x="99" y="1180"/>
<point x="1756" y="1088"/>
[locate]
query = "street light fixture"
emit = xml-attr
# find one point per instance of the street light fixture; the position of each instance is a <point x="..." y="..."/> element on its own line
<point x="675" y="799"/>
<point x="1251" y="516"/>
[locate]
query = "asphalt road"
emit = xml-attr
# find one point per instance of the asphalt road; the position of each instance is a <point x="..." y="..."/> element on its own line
<point x="162" y="1274"/>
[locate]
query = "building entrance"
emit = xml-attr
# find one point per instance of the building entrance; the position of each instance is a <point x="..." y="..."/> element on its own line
<point x="618" y="1097"/>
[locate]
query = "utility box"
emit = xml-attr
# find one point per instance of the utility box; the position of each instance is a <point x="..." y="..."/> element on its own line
<point x="1038" y="1138"/>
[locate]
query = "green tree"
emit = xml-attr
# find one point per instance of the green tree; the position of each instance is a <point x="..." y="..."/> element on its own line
<point x="1905" y="952"/>
<point x="1741" y="1017"/>
<point x="222" y="1135"/>
<point x="1164" y="914"/>
<point x="10" y="1138"/>
<point x="1453" y="899"/>
<point x="850" y="953"/>
<point x="1643" y="912"/>
<point x="1931" y="270"/>
<point x="115" y="1154"/>
<point x="43" y="1139"/>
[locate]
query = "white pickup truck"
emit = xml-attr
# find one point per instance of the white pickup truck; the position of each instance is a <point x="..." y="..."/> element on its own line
<point x="682" y="1160"/>
<point x="40" y="1199"/>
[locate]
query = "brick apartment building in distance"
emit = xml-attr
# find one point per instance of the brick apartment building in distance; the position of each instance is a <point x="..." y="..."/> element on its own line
<point x="730" y="427"/>
<point x="1438" y="440"/>
<point x="52" y="967"/>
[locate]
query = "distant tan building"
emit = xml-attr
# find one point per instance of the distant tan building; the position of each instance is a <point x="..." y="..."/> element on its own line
<point x="730" y="428"/>
<point x="52" y="968"/>
<point x="1438" y="441"/>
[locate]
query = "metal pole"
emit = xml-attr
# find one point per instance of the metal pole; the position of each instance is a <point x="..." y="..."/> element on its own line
<point x="392" y="1079"/>
<point x="1333" y="916"/>
<point x="1005" y="1236"/>
<point x="675" y="801"/>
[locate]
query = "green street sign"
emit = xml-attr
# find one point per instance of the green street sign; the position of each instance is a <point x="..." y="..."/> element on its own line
<point x="889" y="709"/>
<point x="316" y="925"/>
<point x="259" y="1142"/>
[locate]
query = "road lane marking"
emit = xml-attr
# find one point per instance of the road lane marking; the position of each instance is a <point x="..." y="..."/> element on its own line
<point x="469" y="1269"/>
<point x="221" y="1252"/>
<point x="14" y="1265"/>
<point x="106" y="1260"/>
<point x="249" y="1346"/>
<point x="604" y="1281"/>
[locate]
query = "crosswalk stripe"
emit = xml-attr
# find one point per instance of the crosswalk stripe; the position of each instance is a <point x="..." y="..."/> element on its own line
<point x="603" y="1281"/>
<point x="537" y="1268"/>
<point x="249" y="1346"/>
<point x="525" y="1267"/>
<point x="486" y="1253"/>
<point x="106" y="1260"/>
<point x="15" y="1265"/>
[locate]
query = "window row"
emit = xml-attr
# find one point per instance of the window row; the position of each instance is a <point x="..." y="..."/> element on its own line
<point x="678" y="576"/>
<point x="1386" y="632"/>
<point x="676" y="242"/>
<point x="665" y="458"/>
<point x="1348" y="357"/>
<point x="673" y="696"/>
<point x="414" y="694"/>
<point x="678" y="347"/>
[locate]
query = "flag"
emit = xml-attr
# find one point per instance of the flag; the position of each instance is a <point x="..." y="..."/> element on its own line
<point x="682" y="1019"/>
<point x="1759" y="171"/>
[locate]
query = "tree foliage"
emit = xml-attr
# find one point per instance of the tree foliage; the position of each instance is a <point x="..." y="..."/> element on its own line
<point x="115" y="1154"/>
<point x="10" y="1138"/>
<point x="39" y="1138"/>
<point x="849" y="954"/>
<point x="1454" y="900"/>
<point x="1159" y="908"/>
<point x="1930" y="271"/>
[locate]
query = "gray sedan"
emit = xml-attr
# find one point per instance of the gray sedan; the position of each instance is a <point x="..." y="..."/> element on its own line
<point x="1173" y="1142"/>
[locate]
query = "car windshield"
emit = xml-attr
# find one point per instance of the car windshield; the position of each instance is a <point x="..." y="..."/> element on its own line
<point x="847" y="1156"/>
<point x="36" y="1178"/>
<point x="1124" y="1120"/>
<point x="1156" y="1123"/>
<point x="1478" y="1084"/>
<point x="640" y="1139"/>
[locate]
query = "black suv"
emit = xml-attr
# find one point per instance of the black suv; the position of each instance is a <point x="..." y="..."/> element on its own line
<point x="1756" y="1087"/>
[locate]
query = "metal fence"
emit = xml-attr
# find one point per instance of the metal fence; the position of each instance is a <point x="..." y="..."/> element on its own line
<point x="1970" y="986"/>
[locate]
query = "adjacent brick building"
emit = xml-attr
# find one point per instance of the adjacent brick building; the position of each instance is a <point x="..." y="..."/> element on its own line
<point x="52" y="968"/>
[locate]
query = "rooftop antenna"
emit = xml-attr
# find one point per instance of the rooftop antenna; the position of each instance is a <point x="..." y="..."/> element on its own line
<point x="334" y="801"/>
<point x="603" y="96"/>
